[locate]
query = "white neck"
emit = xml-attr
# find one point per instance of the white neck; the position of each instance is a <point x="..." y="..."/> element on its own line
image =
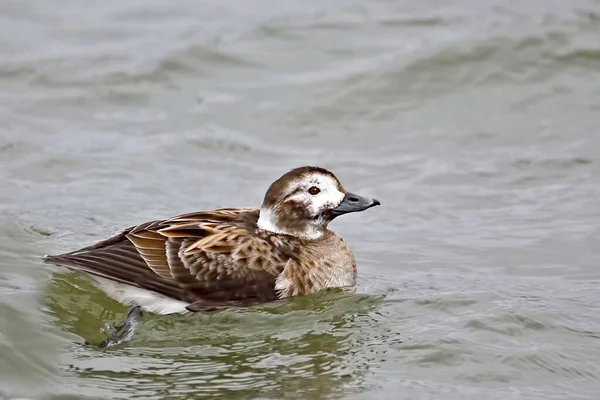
<point x="266" y="222"/>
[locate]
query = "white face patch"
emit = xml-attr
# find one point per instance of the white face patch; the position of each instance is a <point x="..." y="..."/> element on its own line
<point x="329" y="195"/>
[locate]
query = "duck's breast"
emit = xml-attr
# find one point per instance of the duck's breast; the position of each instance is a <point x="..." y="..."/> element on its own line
<point x="327" y="263"/>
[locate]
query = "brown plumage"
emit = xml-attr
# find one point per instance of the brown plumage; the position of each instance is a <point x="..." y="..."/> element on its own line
<point x="228" y="257"/>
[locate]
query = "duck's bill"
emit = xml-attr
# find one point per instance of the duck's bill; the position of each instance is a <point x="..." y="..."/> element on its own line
<point x="353" y="203"/>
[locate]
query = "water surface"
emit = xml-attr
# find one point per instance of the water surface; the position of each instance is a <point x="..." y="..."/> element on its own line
<point x="475" y="123"/>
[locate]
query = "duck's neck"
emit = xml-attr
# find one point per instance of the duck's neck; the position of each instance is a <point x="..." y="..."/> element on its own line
<point x="272" y="221"/>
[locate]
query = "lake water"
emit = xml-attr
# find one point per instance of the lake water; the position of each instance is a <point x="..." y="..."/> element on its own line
<point x="477" y="125"/>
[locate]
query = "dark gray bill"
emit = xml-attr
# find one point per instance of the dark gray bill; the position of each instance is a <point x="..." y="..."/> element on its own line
<point x="353" y="203"/>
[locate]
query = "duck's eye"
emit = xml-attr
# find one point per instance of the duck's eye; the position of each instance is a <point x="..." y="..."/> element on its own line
<point x="314" y="190"/>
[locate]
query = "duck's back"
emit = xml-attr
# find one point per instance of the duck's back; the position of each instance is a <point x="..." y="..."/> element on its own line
<point x="208" y="259"/>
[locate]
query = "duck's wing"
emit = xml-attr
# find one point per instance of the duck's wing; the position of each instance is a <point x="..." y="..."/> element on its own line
<point x="208" y="259"/>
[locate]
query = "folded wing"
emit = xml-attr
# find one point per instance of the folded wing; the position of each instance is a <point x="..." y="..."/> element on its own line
<point x="208" y="259"/>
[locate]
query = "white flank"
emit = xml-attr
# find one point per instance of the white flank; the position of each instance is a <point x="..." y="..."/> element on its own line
<point x="282" y="286"/>
<point x="149" y="301"/>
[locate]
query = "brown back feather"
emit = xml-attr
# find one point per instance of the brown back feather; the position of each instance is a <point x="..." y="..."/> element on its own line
<point x="210" y="259"/>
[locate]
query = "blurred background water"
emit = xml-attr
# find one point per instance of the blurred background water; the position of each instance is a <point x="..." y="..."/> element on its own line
<point x="475" y="123"/>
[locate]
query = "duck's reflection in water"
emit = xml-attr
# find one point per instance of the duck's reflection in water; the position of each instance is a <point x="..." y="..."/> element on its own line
<point x="294" y="348"/>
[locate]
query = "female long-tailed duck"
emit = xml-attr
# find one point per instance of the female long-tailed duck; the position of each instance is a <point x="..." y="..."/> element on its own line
<point x="231" y="256"/>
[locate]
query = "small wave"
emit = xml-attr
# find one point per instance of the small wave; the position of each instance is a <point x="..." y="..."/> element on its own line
<point x="509" y="324"/>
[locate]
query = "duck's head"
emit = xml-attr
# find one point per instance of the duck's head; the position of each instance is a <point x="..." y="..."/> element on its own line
<point x="305" y="200"/>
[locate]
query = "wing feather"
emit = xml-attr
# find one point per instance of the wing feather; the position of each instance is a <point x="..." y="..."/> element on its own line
<point x="151" y="247"/>
<point x="210" y="259"/>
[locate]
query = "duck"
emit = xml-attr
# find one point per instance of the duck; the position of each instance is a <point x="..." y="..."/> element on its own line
<point x="230" y="257"/>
